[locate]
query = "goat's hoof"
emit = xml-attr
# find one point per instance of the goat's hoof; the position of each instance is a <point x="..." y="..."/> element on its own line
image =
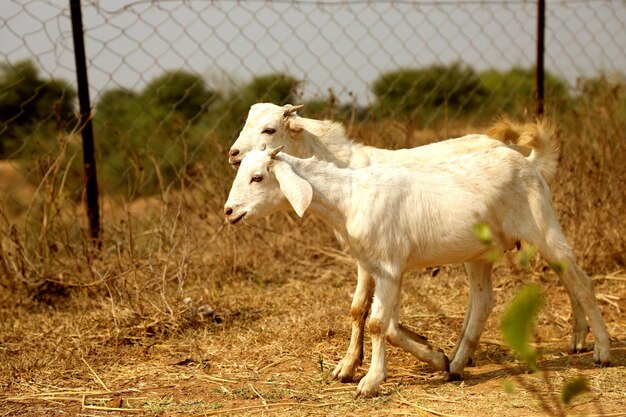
<point x="603" y="364"/>
<point x="440" y="361"/>
<point x="366" y="394"/>
<point x="578" y="339"/>
<point x="345" y="378"/>
<point x="451" y="377"/>
<point x="601" y="353"/>
<point x="447" y="363"/>
<point x="368" y="387"/>
<point x="344" y="372"/>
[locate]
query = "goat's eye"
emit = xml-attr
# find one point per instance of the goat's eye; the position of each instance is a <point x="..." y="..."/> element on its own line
<point x="269" y="131"/>
<point x="257" y="178"/>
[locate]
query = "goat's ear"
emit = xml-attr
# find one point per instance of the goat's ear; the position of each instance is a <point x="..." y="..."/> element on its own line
<point x="296" y="189"/>
<point x="294" y="125"/>
<point x="311" y="126"/>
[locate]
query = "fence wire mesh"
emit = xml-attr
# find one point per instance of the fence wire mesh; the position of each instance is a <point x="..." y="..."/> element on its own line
<point x="171" y="81"/>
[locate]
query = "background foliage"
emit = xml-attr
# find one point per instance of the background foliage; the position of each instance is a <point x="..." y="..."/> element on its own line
<point x="149" y="139"/>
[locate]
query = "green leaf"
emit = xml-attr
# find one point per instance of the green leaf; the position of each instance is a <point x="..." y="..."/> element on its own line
<point x="518" y="322"/>
<point x="558" y="267"/>
<point x="525" y="255"/>
<point x="320" y="361"/>
<point x="573" y="388"/>
<point x="507" y="386"/>
<point x="494" y="255"/>
<point x="483" y="233"/>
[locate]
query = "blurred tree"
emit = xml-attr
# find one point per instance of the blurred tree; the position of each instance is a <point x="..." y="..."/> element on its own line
<point x="180" y="92"/>
<point x="29" y="103"/>
<point x="513" y="91"/>
<point x="273" y="88"/>
<point x="143" y="138"/>
<point x="429" y="93"/>
<point x="118" y="103"/>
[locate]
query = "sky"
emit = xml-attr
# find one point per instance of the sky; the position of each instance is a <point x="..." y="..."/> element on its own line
<point x="338" y="45"/>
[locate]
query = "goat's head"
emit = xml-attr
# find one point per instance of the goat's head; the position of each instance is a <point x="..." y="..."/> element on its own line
<point x="263" y="185"/>
<point x="270" y="125"/>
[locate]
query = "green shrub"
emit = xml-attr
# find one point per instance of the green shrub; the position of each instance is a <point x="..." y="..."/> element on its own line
<point x="30" y="104"/>
<point x="428" y="94"/>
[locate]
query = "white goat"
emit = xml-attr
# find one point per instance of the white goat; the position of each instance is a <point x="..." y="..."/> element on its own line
<point x="271" y="125"/>
<point x="276" y="126"/>
<point x="395" y="219"/>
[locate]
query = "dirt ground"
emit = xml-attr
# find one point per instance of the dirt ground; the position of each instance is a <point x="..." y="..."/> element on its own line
<point x="271" y="345"/>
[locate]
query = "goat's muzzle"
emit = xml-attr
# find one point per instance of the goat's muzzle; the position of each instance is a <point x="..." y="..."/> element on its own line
<point x="232" y="160"/>
<point x="232" y="219"/>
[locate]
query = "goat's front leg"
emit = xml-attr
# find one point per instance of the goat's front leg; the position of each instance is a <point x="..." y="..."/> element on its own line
<point x="386" y="298"/>
<point x="346" y="368"/>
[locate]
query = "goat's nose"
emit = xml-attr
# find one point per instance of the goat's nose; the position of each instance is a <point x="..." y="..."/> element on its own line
<point x="233" y="152"/>
<point x="228" y="211"/>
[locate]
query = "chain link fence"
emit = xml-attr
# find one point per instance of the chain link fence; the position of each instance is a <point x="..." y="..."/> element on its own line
<point x="171" y="81"/>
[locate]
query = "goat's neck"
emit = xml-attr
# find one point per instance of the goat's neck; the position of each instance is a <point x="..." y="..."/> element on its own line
<point x="331" y="190"/>
<point x="327" y="140"/>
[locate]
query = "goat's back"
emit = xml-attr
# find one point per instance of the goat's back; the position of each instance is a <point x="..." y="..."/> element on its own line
<point x="427" y="212"/>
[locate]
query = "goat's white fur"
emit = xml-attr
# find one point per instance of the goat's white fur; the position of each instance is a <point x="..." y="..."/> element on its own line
<point x="268" y="124"/>
<point x="327" y="140"/>
<point x="399" y="218"/>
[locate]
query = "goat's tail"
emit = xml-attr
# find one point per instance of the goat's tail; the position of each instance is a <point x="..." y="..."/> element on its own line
<point x="540" y="137"/>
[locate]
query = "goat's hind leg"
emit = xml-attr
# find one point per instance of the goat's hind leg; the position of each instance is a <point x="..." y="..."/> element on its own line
<point x="466" y="320"/>
<point x="580" y="325"/>
<point x="361" y="301"/>
<point x="556" y="250"/>
<point x="581" y="284"/>
<point x="459" y="339"/>
<point x="414" y="343"/>
<point x="480" y="305"/>
<point x="417" y="345"/>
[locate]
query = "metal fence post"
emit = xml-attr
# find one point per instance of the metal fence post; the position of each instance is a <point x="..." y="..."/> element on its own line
<point x="89" y="161"/>
<point x="541" y="20"/>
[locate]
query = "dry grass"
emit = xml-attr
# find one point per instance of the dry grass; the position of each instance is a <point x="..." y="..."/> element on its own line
<point x="177" y="314"/>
